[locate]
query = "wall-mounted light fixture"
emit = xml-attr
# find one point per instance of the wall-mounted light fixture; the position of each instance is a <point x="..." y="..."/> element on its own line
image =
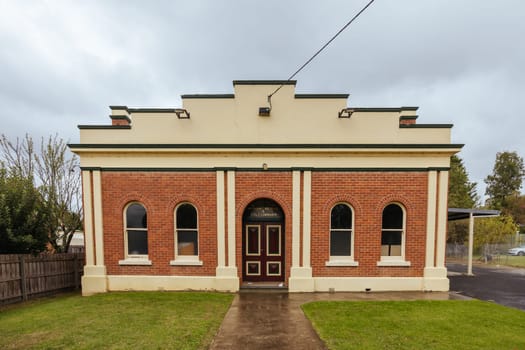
<point x="345" y="113"/>
<point x="182" y="113"/>
<point x="264" y="111"/>
<point x="265" y="166"/>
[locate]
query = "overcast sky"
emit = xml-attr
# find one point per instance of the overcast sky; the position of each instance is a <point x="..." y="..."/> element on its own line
<point x="62" y="63"/>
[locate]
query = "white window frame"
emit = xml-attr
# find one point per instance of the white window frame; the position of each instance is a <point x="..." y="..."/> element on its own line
<point x="188" y="260"/>
<point x="395" y="260"/>
<point x="341" y="260"/>
<point x="134" y="259"/>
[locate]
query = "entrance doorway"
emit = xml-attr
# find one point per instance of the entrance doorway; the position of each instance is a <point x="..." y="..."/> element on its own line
<point x="263" y="242"/>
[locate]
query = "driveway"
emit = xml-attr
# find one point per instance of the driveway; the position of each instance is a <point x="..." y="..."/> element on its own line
<point x="503" y="285"/>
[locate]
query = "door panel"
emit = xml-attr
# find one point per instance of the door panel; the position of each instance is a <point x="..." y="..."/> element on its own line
<point x="263" y="252"/>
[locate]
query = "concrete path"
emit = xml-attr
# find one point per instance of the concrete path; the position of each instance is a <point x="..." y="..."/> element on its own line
<point x="274" y="320"/>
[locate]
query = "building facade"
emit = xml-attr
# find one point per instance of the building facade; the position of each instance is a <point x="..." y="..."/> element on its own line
<point x="298" y="190"/>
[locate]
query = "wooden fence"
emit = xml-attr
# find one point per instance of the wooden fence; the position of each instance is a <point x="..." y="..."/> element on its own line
<point x="23" y="277"/>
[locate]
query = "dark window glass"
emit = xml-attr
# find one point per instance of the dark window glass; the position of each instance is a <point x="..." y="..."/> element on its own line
<point x="186" y="216"/>
<point x="393" y="217"/>
<point x="341" y="230"/>
<point x="340" y="243"/>
<point x="187" y="242"/>
<point x="341" y="217"/>
<point x="136" y="216"/>
<point x="187" y="234"/>
<point x="137" y="242"/>
<point x="391" y="238"/>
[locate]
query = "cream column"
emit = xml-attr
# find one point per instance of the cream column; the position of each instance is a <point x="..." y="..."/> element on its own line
<point x="307" y="213"/>
<point x="95" y="278"/>
<point x="296" y="217"/>
<point x="435" y="273"/>
<point x="431" y="219"/>
<point x="221" y="239"/>
<point x="442" y="220"/>
<point x="97" y="206"/>
<point x="301" y="276"/>
<point x="226" y="275"/>
<point x="231" y="218"/>
<point x="88" y="218"/>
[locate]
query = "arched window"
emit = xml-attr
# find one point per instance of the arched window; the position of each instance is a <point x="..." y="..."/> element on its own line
<point x="136" y="225"/>
<point x="393" y="231"/>
<point x="186" y="234"/>
<point x="341" y="228"/>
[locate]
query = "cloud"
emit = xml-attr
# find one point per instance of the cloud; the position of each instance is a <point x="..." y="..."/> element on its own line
<point x="63" y="62"/>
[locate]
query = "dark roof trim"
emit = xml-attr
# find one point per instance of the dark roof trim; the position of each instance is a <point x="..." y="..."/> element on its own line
<point x="152" y="110"/>
<point x="408" y="117"/>
<point x="426" y="126"/>
<point x="208" y="96"/>
<point x="383" y="109"/>
<point x="125" y="169"/>
<point x="104" y="127"/>
<point x="267" y="146"/>
<point x="264" y="82"/>
<point x="464" y="213"/>
<point x="113" y="108"/>
<point x="345" y="96"/>
<point x="120" y="117"/>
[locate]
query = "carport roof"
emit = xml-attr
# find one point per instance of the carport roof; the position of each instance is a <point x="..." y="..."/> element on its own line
<point x="463" y="213"/>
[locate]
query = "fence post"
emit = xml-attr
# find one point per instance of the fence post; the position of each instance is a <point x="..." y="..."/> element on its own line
<point x="23" y="277"/>
<point x="75" y="264"/>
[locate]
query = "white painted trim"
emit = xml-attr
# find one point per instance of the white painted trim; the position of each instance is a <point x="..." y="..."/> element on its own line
<point x="221" y="232"/>
<point x="378" y="284"/>
<point x="97" y="204"/>
<point x="161" y="283"/>
<point x="188" y="262"/>
<point x="393" y="263"/>
<point x="258" y="263"/>
<point x="246" y="240"/>
<point x="131" y="261"/>
<point x="159" y="158"/>
<point x="268" y="268"/>
<point x="296" y="217"/>
<point x="431" y="218"/>
<point x="442" y="219"/>
<point x="88" y="218"/>
<point x="231" y="218"/>
<point x="268" y="240"/>
<point x="341" y="262"/>
<point x="307" y="217"/>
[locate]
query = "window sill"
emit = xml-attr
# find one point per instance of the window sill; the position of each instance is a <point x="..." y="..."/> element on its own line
<point x="342" y="263"/>
<point x="186" y="263"/>
<point x="143" y="262"/>
<point x="393" y="263"/>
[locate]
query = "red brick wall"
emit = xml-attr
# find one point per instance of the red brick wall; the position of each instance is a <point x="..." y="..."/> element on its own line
<point x="368" y="193"/>
<point x="160" y="193"/>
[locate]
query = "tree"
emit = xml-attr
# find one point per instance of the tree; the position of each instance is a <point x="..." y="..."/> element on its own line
<point x="23" y="217"/>
<point x="516" y="209"/>
<point x="55" y="173"/>
<point x="60" y="188"/>
<point x="506" y="179"/>
<point x="461" y="194"/>
<point x="493" y="230"/>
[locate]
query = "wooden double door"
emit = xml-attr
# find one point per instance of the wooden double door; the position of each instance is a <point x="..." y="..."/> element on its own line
<point x="263" y="252"/>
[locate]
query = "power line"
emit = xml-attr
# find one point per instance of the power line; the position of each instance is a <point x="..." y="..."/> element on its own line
<point x="321" y="49"/>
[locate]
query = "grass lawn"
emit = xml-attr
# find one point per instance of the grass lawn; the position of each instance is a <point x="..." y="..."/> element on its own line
<point x="133" y="320"/>
<point x="450" y="324"/>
